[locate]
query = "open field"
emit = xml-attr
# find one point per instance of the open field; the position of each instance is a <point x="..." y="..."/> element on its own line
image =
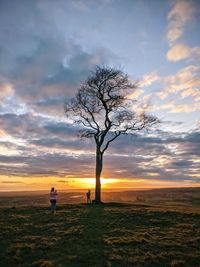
<point x="165" y="196"/>
<point x="111" y="234"/>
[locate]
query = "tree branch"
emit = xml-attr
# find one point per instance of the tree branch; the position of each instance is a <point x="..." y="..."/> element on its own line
<point x="111" y="140"/>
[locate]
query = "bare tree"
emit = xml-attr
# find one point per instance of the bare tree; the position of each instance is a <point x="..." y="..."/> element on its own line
<point x="104" y="108"/>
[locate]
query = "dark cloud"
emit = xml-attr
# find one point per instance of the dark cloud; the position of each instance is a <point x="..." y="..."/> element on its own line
<point x="51" y="105"/>
<point x="182" y="164"/>
<point x="22" y="125"/>
<point x="139" y="156"/>
<point x="193" y="137"/>
<point x="138" y="144"/>
<point x="75" y="145"/>
<point x="61" y="129"/>
<point x="47" y="165"/>
<point x="54" y="149"/>
<point x="30" y="126"/>
<point x="12" y="159"/>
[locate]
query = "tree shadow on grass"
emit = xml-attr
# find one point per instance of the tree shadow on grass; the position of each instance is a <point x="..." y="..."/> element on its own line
<point x="82" y="243"/>
<point x="92" y="244"/>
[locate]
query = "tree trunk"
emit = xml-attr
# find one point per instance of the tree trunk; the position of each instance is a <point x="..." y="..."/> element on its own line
<point x="99" y="164"/>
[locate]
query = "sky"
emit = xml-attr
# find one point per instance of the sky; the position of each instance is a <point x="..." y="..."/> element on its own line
<point x="48" y="48"/>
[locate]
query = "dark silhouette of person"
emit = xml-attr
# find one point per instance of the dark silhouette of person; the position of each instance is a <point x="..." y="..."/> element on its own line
<point x="88" y="195"/>
<point x="53" y="199"/>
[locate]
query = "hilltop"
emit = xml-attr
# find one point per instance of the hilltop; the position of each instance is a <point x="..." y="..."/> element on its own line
<point x="111" y="234"/>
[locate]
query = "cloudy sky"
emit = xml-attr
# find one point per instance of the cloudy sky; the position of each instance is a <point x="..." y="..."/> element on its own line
<point x="47" y="48"/>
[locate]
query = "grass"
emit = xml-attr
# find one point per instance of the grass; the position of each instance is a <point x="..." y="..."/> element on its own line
<point x="100" y="235"/>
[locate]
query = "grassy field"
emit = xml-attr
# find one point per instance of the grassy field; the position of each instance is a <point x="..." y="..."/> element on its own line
<point x="112" y="234"/>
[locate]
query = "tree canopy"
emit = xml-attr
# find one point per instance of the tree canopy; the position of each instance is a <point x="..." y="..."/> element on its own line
<point x="103" y="105"/>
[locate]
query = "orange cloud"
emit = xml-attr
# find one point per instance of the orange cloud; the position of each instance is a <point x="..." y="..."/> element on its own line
<point x="191" y="92"/>
<point x="182" y="51"/>
<point x="149" y="79"/>
<point x="185" y="82"/>
<point x="178" y="52"/>
<point x="5" y="90"/>
<point x="2" y="133"/>
<point x="180" y="14"/>
<point x="173" y="107"/>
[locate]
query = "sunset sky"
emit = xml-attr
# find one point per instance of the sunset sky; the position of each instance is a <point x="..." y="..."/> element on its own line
<point x="47" y="48"/>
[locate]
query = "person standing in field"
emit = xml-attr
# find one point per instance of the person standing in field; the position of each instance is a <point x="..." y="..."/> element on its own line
<point x="53" y="199"/>
<point x="88" y="195"/>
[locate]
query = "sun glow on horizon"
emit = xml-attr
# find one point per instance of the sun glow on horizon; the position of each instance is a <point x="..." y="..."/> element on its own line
<point x="72" y="183"/>
<point x="105" y="182"/>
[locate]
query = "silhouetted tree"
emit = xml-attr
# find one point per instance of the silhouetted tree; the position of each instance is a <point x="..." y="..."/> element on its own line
<point x="103" y="107"/>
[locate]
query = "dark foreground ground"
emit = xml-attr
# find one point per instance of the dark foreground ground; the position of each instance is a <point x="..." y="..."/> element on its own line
<point x="112" y="234"/>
